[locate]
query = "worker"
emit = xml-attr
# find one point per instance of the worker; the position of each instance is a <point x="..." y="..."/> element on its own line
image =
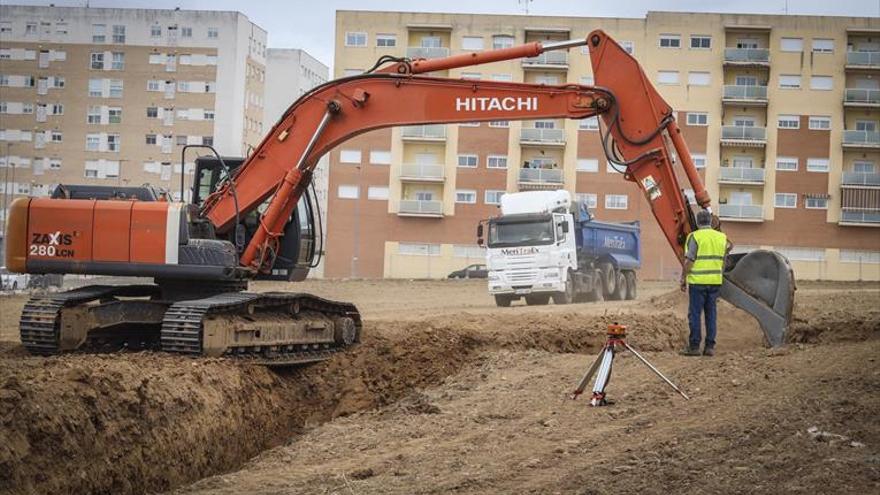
<point x="705" y="252"/>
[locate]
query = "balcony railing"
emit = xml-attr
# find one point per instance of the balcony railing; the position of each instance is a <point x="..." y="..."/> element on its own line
<point x="745" y="93"/>
<point x="554" y="58"/>
<point x="860" y="179"/>
<point x="745" y="212"/>
<point x="420" y="171"/>
<point x="415" y="52"/>
<point x="744" y="133"/>
<point x="540" y="176"/>
<point x="542" y="136"/>
<point x="747" y="55"/>
<point x="862" y="96"/>
<point x="431" y="132"/>
<point x="420" y="207"/>
<point x="860" y="216"/>
<point x="861" y="138"/>
<point x="738" y="174"/>
<point x="864" y="59"/>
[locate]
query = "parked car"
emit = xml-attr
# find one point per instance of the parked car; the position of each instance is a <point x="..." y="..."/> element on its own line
<point x="13" y="281"/>
<point x="471" y="271"/>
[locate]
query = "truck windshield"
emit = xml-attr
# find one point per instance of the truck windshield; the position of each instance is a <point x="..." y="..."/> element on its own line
<point x="520" y="233"/>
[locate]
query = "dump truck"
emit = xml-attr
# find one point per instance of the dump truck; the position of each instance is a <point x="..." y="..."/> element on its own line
<point x="545" y="246"/>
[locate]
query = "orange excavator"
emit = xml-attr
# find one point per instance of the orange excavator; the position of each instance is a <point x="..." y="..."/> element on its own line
<point x="256" y="217"/>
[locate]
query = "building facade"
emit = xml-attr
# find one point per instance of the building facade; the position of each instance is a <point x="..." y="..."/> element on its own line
<point x="110" y="96"/>
<point x="290" y="73"/>
<point x="780" y="113"/>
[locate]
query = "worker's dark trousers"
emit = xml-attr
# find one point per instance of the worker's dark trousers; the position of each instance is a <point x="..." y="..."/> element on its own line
<point x="703" y="298"/>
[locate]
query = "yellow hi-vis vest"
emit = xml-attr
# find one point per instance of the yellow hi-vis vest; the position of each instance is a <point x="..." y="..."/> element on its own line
<point x="711" y="248"/>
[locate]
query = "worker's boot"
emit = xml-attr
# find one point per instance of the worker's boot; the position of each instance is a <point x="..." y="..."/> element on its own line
<point x="709" y="351"/>
<point x="690" y="351"/>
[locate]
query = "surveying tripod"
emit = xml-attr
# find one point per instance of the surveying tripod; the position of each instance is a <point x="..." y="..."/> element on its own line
<point x="615" y="342"/>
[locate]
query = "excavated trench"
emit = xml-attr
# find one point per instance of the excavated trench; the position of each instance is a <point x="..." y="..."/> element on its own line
<point x="147" y="422"/>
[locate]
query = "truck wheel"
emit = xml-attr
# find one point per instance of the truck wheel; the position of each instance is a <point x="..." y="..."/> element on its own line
<point x="502" y="301"/>
<point x="609" y="279"/>
<point x="630" y="285"/>
<point x="567" y="296"/>
<point x="595" y="293"/>
<point x="537" y="299"/>
<point x="619" y="288"/>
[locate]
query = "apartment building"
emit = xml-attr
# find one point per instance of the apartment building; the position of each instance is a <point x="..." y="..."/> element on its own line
<point x="780" y="113"/>
<point x="290" y="73"/>
<point x="111" y="95"/>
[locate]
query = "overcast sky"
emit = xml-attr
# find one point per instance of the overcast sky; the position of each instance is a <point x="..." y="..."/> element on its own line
<point x="309" y="24"/>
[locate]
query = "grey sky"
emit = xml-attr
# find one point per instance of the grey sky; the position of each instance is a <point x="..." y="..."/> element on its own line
<point x="310" y="24"/>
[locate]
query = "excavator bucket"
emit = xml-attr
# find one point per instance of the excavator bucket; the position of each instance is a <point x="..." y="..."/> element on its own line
<point x="762" y="284"/>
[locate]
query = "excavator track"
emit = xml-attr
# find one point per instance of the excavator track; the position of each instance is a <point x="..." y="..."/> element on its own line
<point x="183" y="328"/>
<point x="40" y="323"/>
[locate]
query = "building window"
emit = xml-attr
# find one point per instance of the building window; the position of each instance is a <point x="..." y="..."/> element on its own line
<point x="820" y="123"/>
<point x="99" y="33"/>
<point x="802" y="253"/>
<point x="697" y="118"/>
<point x="493" y="196"/>
<point x="472" y="76"/>
<point x="859" y="256"/>
<point x="616" y="201"/>
<point x="152" y="112"/>
<point x="862" y="166"/>
<point x="117" y="62"/>
<point x="587" y="165"/>
<point x="699" y="78"/>
<point x="386" y="40"/>
<point x="208" y="140"/>
<point x="114" y="114"/>
<point x="822" y="83"/>
<point x="468" y="161"/>
<point x="466" y="196"/>
<point x="786" y="200"/>
<point x="589" y="199"/>
<point x="816" y="203"/>
<point x="97" y="61"/>
<point x="350" y="156"/>
<point x="699" y="161"/>
<point x="186" y="32"/>
<point x="788" y="122"/>
<point x="667" y="77"/>
<point x="701" y="41"/>
<point x="356" y="39"/>
<point x="821" y="45"/>
<point x="589" y="124"/>
<point x="96" y="88"/>
<point x="115" y="88"/>
<point x="347" y="191"/>
<point x="151" y="139"/>
<point x="502" y="41"/>
<point x="471" y="42"/>
<point x="113" y="142"/>
<point x="791" y="44"/>
<point x="380" y="157"/>
<point x="213" y="33"/>
<point x="155" y="31"/>
<point x="57" y="137"/>
<point x="786" y="163"/>
<point x="670" y="41"/>
<point x="628" y="46"/>
<point x="496" y="161"/>
<point x="790" y="81"/>
<point x="93" y="115"/>
<point x="119" y="34"/>
<point x="93" y="142"/>
<point x="418" y="249"/>
<point x="208" y="114"/>
<point x="817" y="164"/>
<point x="499" y="123"/>
<point x="502" y="77"/>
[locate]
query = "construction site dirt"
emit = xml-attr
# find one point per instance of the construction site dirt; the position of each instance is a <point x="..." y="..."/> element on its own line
<point x="447" y="393"/>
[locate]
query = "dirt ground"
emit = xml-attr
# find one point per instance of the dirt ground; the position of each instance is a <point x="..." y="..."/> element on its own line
<point x="449" y="394"/>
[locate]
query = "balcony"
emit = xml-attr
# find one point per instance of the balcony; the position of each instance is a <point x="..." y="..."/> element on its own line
<point x="863" y="60"/>
<point x="547" y="60"/>
<point x="542" y="137"/>
<point x="745" y="95"/>
<point x="420" y="208"/>
<point x="431" y="132"/>
<point x="748" y="136"/>
<point x="861" y="98"/>
<point x="861" y="139"/>
<point x="739" y="175"/>
<point x="419" y="172"/>
<point x="860" y="179"/>
<point x="866" y="218"/>
<point x="741" y="213"/>
<point x="416" y="52"/>
<point x="754" y="57"/>
<point x="537" y="178"/>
